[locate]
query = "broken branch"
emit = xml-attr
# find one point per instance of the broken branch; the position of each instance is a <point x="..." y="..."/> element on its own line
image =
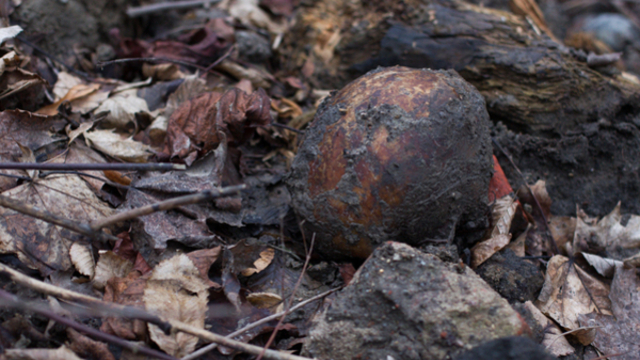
<point x="167" y="205"/>
<point x="99" y="167"/>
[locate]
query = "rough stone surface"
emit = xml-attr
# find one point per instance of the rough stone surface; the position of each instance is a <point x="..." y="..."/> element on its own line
<point x="398" y="154"/>
<point x="509" y="348"/>
<point x="406" y="304"/>
<point x="512" y="277"/>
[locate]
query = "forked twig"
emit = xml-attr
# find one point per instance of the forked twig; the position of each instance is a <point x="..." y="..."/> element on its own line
<point x="200" y="352"/>
<point x="174" y="324"/>
<point x="167" y="205"/>
<point x="14" y="302"/>
<point x="33" y="211"/>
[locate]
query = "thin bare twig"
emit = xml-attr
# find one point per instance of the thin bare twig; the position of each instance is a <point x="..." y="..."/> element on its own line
<point x="98" y="305"/>
<point x="200" y="352"/>
<point x="33" y="211"/>
<point x="153" y="59"/>
<point x="167" y="205"/>
<point x="98" y="167"/>
<point x="13" y="301"/>
<point x="138" y="11"/>
<point x="291" y="298"/>
<point x="219" y="60"/>
<point x="174" y="324"/>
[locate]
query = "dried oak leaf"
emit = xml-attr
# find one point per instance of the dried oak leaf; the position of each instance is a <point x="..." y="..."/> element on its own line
<point x="39" y="244"/>
<point x="612" y="232"/>
<point x="196" y="125"/>
<point x="127" y="290"/>
<point x="119" y="146"/>
<point x="569" y="291"/>
<point x="553" y="340"/>
<point x="176" y="290"/>
<point x="619" y="335"/>
<point x="110" y="265"/>
<point x="502" y="214"/>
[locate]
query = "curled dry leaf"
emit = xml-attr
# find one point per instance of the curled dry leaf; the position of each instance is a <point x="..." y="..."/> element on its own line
<point x="122" y="110"/>
<point x="163" y="72"/>
<point x="201" y="120"/>
<point x="502" y="214"/>
<point x="110" y="265"/>
<point x="61" y="353"/>
<point x="553" y="340"/>
<point x="264" y="300"/>
<point x="260" y="264"/>
<point x="77" y="92"/>
<point x="619" y="334"/>
<point x="176" y="290"/>
<point x="82" y="259"/>
<point x="609" y="233"/>
<point x="569" y="291"/>
<point x="118" y="146"/>
<point x="604" y="266"/>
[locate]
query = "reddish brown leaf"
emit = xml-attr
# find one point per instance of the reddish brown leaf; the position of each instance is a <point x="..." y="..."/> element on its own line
<point x="203" y="259"/>
<point x="197" y="124"/>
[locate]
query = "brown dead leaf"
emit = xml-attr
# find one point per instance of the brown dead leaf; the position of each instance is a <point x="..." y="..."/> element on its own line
<point x="119" y="146"/>
<point x="197" y="124"/>
<point x="259" y="79"/>
<point x="110" y="265"/>
<point x="553" y="341"/>
<point x="162" y="72"/>
<point x="608" y="233"/>
<point x="39" y="244"/>
<point x="126" y="291"/>
<point x="77" y="92"/>
<point x="562" y="229"/>
<point x="264" y="300"/>
<point x="619" y="334"/>
<point x="88" y="348"/>
<point x="502" y="214"/>
<point x="176" y="290"/>
<point x="569" y="291"/>
<point x="203" y="259"/>
<point x="15" y="80"/>
<point x="82" y="259"/>
<point x="122" y="109"/>
<point x="260" y="264"/>
<point x="61" y="353"/>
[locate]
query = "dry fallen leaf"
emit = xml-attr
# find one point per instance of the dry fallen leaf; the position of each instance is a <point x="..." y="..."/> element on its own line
<point x="619" y="335"/>
<point x="163" y="72"/>
<point x="128" y="290"/>
<point x="609" y="233"/>
<point x="110" y="265"/>
<point x="61" y="353"/>
<point x="264" y="300"/>
<point x="502" y="214"/>
<point x="553" y="341"/>
<point x="37" y="243"/>
<point x="122" y="110"/>
<point x="564" y="297"/>
<point x="260" y="264"/>
<point x="176" y="290"/>
<point x="604" y="266"/>
<point x="77" y="92"/>
<point x="118" y="146"/>
<point x="82" y="259"/>
<point x="197" y="124"/>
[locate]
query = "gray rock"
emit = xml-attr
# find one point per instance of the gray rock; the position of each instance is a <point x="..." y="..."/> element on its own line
<point x="405" y="304"/>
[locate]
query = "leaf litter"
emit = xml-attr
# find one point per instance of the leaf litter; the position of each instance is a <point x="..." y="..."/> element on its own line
<point x="228" y="262"/>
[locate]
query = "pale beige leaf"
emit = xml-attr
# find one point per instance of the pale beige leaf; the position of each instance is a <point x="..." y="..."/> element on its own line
<point x="249" y="12"/>
<point x="556" y="344"/>
<point x="176" y="290"/>
<point x="65" y="82"/>
<point x="118" y="146"/>
<point x="502" y="214"/>
<point x="264" y="300"/>
<point x="122" y="110"/>
<point x="76" y="92"/>
<point x="563" y="296"/>
<point x="82" y="259"/>
<point x="604" y="266"/>
<point x="609" y="232"/>
<point x="9" y="32"/>
<point x="110" y="265"/>
<point x="61" y="353"/>
<point x="164" y="72"/>
<point x="265" y="259"/>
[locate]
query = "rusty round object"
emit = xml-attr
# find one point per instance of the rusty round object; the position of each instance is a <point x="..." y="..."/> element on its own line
<point x="398" y="154"/>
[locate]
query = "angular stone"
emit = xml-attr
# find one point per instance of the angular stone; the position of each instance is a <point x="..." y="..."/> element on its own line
<point x="405" y="304"/>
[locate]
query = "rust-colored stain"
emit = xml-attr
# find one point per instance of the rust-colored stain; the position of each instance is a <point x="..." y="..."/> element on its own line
<point x="326" y="171"/>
